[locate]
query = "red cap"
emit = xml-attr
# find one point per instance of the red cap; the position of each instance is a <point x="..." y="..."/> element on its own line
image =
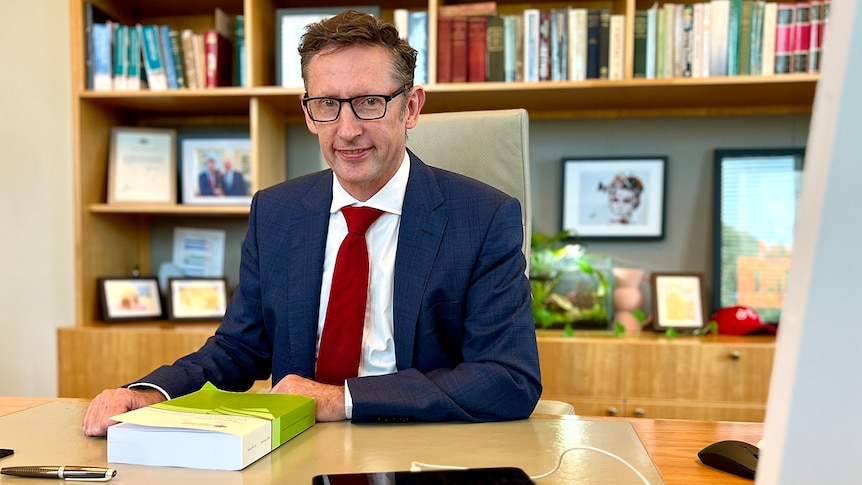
<point x="741" y="320"/>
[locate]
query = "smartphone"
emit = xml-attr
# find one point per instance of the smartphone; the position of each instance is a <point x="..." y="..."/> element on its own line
<point x="6" y="452"/>
<point x="471" y="476"/>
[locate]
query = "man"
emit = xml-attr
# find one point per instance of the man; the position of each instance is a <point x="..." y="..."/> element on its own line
<point x="448" y="329"/>
<point x="234" y="182"/>
<point x="210" y="180"/>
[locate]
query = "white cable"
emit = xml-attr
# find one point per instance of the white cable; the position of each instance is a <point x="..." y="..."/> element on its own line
<point x="417" y="466"/>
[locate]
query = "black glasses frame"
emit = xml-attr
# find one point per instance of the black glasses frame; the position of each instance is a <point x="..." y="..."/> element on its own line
<point x="341" y="101"/>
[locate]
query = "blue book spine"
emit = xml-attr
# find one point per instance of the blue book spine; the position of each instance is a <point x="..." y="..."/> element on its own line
<point x="168" y="58"/>
<point x="102" y="73"/>
<point x="153" y="66"/>
<point x="417" y="36"/>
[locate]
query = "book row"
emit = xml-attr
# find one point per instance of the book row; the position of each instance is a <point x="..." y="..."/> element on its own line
<point x="729" y="38"/>
<point x="158" y="57"/>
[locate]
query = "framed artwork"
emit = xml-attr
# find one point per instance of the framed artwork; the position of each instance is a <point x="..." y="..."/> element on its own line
<point x="614" y="198"/>
<point x="216" y="169"/>
<point x="142" y="166"/>
<point x="756" y="199"/>
<point x="678" y="301"/>
<point x="130" y="299"/>
<point x="290" y="24"/>
<point x="196" y="299"/>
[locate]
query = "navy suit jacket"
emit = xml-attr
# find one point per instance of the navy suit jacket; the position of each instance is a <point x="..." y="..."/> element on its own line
<point x="465" y="340"/>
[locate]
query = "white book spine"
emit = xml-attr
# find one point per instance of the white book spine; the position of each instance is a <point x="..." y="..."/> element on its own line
<point x="617" y="48"/>
<point x="531" y="45"/>
<point x="720" y="11"/>
<point x="770" y="14"/>
<point x="669" y="40"/>
<point x="577" y="44"/>
<point x="707" y="35"/>
<point x="697" y="40"/>
<point x="652" y="30"/>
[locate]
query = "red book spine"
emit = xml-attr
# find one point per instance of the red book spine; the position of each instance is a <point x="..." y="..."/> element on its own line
<point x="476" y="48"/>
<point x="459" y="49"/>
<point x="444" y="49"/>
<point x="218" y="59"/>
<point x="784" y="38"/>
<point x="802" y="37"/>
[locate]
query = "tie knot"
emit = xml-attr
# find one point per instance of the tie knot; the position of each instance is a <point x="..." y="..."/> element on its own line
<point x="359" y="219"/>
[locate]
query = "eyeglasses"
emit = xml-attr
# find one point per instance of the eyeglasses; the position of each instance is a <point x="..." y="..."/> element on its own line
<point x="367" y="107"/>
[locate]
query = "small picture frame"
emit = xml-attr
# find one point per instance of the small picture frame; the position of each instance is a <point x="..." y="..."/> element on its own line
<point x="678" y="301"/>
<point x="197" y="299"/>
<point x="130" y="299"/>
<point x="290" y="25"/>
<point x="142" y="166"/>
<point x="614" y="198"/>
<point x="216" y="169"/>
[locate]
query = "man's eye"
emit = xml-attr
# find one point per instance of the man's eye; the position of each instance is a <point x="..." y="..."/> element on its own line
<point x="371" y="101"/>
<point x="327" y="103"/>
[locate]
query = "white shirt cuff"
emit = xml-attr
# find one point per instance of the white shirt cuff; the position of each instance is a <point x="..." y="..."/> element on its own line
<point x="348" y="401"/>
<point x="151" y="386"/>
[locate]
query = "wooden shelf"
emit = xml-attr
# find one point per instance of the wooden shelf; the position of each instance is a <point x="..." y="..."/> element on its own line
<point x="178" y="209"/>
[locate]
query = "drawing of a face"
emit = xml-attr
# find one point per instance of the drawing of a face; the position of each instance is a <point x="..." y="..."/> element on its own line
<point x="624" y="196"/>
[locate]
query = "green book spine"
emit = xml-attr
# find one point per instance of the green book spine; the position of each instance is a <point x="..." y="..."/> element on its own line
<point x="134" y="78"/>
<point x="640" y="39"/>
<point x="121" y="57"/>
<point x="177" y="55"/>
<point x="494" y="45"/>
<point x="745" y="26"/>
<point x="240" y="74"/>
<point x="733" y="30"/>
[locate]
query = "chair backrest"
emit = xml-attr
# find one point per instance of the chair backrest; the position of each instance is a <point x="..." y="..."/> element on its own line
<point x="489" y="146"/>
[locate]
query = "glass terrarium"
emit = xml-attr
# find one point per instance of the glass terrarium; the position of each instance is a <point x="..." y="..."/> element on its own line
<point x="571" y="289"/>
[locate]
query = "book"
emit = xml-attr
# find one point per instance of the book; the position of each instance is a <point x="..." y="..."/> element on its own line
<point x="468" y="9"/>
<point x="617" y="47"/>
<point x="734" y="24"/>
<point x="531" y="45"/>
<point x="816" y="42"/>
<point x="513" y="47"/>
<point x="687" y="41"/>
<point x="121" y="57"/>
<point x="744" y="45"/>
<point x="719" y="25"/>
<point x="133" y="81"/>
<point x="477" y="33"/>
<point x="240" y="74"/>
<point x="167" y="57"/>
<point x="785" y="15"/>
<point x="444" y="49"/>
<point x="593" y="43"/>
<point x="640" y="44"/>
<point x="770" y="13"/>
<point x="401" y="21"/>
<point x="209" y="429"/>
<point x="651" y="39"/>
<point x="459" y="49"/>
<point x="102" y="57"/>
<point x="706" y="41"/>
<point x="218" y="52"/>
<point x="176" y="53"/>
<point x="153" y="65"/>
<point x="755" y="64"/>
<point x="697" y="35"/>
<point x="189" y="58"/>
<point x="417" y="37"/>
<point x="577" y="44"/>
<point x="495" y="46"/>
<point x="559" y="44"/>
<point x="92" y="15"/>
<point x="604" y="42"/>
<point x="801" y="37"/>
<point x="544" y="45"/>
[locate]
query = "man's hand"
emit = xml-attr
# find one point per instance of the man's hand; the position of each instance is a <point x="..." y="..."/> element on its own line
<point x="112" y="402"/>
<point x="329" y="399"/>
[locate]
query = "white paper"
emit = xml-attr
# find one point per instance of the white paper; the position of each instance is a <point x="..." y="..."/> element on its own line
<point x="199" y="252"/>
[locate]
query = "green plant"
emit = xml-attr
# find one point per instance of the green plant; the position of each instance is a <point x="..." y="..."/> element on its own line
<point x="551" y="257"/>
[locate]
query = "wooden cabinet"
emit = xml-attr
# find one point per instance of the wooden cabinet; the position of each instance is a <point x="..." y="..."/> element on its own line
<point x="111" y="240"/>
<point x="707" y="378"/>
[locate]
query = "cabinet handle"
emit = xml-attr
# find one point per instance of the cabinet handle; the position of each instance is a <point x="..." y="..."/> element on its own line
<point x="736" y="355"/>
<point x="612" y="411"/>
<point x="640" y="412"/>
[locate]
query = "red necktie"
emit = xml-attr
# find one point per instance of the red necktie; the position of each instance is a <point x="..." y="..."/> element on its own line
<point x="341" y="342"/>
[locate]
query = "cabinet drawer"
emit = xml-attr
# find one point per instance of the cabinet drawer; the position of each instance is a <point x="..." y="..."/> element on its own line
<point x="699" y="371"/>
<point x="581" y="368"/>
<point x="591" y="407"/>
<point x="695" y="411"/>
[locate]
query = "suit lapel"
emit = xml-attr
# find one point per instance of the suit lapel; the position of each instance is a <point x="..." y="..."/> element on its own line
<point x="418" y="243"/>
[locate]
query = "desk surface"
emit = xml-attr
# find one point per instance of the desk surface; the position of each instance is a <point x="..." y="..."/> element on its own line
<point x="672" y="445"/>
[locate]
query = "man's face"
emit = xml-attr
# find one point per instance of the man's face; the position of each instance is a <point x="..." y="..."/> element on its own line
<point x="210" y="165"/>
<point x="363" y="154"/>
<point x="227" y="165"/>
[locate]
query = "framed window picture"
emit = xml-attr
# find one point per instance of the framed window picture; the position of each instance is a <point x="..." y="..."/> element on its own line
<point x="142" y="166"/>
<point x="216" y="169"/>
<point x="678" y="301"/>
<point x="614" y="198"/>
<point x="130" y="299"/>
<point x="290" y="24"/>
<point x="756" y="200"/>
<point x="196" y="299"/>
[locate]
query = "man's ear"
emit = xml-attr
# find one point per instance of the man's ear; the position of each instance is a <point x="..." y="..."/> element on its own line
<point x="414" y="105"/>
<point x="308" y="121"/>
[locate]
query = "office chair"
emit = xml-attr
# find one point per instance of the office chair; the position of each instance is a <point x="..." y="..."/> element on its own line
<point x="489" y="146"/>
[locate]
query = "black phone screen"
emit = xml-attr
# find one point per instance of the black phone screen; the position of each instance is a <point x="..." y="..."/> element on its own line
<point x="471" y="476"/>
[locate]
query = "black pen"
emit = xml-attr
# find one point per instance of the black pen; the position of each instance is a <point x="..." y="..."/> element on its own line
<point x="77" y="473"/>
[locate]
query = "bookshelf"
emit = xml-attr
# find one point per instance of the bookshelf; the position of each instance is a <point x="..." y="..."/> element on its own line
<point x="112" y="240"/>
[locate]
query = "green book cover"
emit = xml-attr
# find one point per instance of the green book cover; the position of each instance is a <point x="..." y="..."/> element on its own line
<point x="290" y="414"/>
<point x="177" y="55"/>
<point x="240" y="74"/>
<point x="640" y="35"/>
<point x="734" y="24"/>
<point x="745" y="26"/>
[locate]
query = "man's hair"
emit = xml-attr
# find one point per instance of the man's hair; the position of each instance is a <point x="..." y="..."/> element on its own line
<point x="357" y="28"/>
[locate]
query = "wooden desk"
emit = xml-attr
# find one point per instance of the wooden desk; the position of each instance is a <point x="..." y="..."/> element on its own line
<point x="671" y="444"/>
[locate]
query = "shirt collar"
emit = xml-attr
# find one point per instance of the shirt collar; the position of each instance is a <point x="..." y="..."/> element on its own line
<point x="388" y="199"/>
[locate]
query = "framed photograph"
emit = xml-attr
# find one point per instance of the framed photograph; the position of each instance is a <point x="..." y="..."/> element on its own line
<point x="290" y="24"/>
<point x="196" y="299"/>
<point x="142" y="166"/>
<point x="130" y="299"/>
<point x="216" y="169"/>
<point x="756" y="200"/>
<point x="678" y="301"/>
<point x="614" y="198"/>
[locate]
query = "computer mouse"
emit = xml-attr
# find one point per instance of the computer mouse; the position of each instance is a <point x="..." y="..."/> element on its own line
<point x="732" y="456"/>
